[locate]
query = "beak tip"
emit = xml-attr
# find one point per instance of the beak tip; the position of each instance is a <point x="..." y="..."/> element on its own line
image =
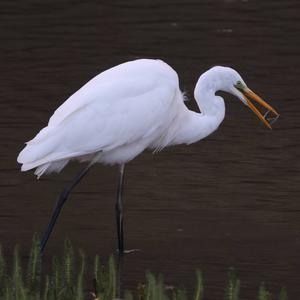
<point x="267" y="120"/>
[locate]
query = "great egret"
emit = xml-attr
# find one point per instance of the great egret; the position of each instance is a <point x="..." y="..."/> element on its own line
<point x="125" y="110"/>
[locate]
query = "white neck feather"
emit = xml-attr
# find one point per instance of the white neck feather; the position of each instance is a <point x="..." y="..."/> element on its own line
<point x="208" y="103"/>
<point x="196" y="126"/>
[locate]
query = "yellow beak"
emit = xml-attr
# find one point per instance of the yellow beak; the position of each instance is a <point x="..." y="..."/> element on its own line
<point x="248" y="94"/>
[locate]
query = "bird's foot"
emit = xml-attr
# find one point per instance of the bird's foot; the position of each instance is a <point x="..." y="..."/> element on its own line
<point x="128" y="251"/>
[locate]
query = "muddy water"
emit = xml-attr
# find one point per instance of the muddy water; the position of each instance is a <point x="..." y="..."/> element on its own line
<point x="230" y="200"/>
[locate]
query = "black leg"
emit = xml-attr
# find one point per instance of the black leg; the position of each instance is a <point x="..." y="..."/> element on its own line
<point x="60" y="202"/>
<point x="119" y="283"/>
<point x="119" y="210"/>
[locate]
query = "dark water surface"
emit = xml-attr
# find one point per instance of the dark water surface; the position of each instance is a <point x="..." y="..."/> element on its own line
<point x="230" y="200"/>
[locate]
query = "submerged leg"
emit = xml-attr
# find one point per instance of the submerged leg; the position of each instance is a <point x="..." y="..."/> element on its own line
<point x="119" y="282"/>
<point x="119" y="210"/>
<point x="60" y="202"/>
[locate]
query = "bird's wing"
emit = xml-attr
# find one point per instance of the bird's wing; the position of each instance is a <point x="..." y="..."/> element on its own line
<point x="132" y="78"/>
<point x="127" y="114"/>
<point x="102" y="116"/>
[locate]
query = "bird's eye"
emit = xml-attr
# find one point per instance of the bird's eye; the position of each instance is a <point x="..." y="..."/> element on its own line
<point x="238" y="82"/>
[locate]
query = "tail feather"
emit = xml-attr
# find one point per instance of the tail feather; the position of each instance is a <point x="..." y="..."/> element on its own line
<point x="42" y="153"/>
<point x="31" y="154"/>
<point x="46" y="152"/>
<point x="42" y="135"/>
<point x="55" y="166"/>
<point x="43" y="144"/>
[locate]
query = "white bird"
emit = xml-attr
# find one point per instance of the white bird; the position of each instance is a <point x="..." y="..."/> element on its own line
<point x="124" y="110"/>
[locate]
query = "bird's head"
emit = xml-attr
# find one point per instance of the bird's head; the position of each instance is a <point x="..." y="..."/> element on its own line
<point x="229" y="80"/>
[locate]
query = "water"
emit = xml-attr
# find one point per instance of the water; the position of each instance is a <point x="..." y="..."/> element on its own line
<point x="230" y="200"/>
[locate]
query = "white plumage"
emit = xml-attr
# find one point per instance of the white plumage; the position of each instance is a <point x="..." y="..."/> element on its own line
<point x="126" y="109"/>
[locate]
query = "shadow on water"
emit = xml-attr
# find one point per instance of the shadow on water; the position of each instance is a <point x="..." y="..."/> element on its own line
<point x="229" y="200"/>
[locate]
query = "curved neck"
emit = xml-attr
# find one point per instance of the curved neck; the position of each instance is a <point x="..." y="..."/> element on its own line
<point x="196" y="126"/>
<point x="205" y="96"/>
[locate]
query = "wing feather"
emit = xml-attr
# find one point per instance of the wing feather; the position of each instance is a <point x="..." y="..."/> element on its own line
<point x="118" y="107"/>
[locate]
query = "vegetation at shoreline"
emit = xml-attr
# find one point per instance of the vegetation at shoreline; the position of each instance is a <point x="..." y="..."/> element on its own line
<point x="68" y="280"/>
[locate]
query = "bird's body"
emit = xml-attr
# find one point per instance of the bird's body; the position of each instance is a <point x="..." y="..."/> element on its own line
<point x="125" y="110"/>
<point x="116" y="116"/>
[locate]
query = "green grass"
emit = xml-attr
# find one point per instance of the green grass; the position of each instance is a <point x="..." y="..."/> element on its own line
<point x="68" y="280"/>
